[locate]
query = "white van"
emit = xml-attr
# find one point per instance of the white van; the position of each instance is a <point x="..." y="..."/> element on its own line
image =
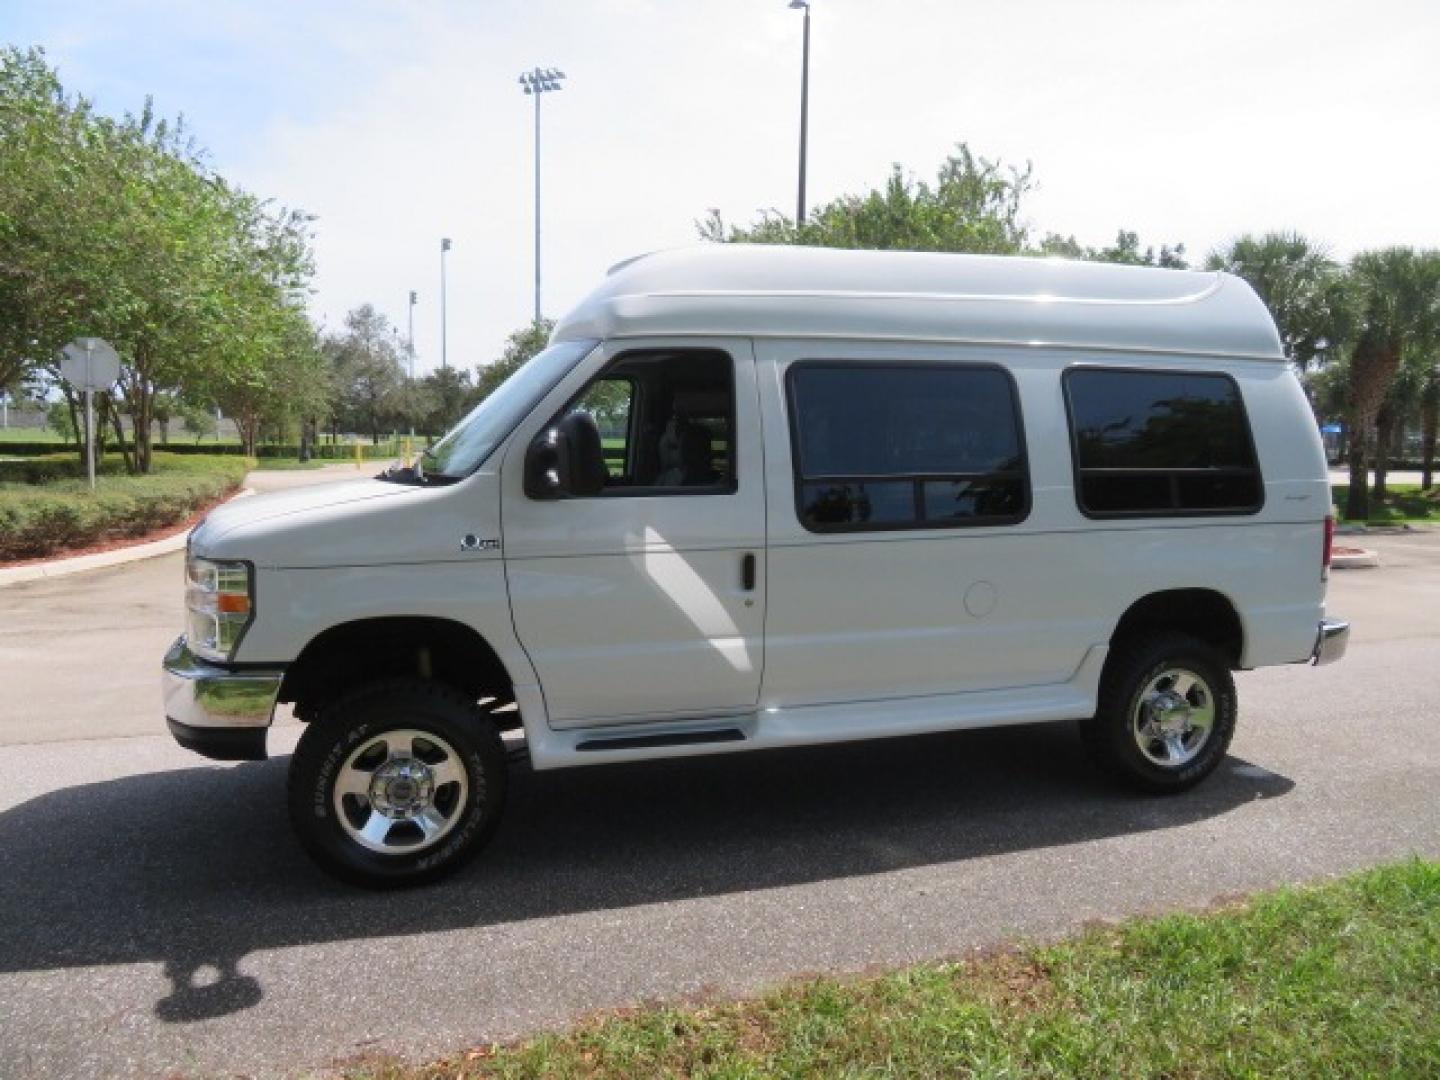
<point x="756" y="497"/>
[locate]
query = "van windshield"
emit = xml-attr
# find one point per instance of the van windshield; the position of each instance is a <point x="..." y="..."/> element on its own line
<point x="470" y="441"/>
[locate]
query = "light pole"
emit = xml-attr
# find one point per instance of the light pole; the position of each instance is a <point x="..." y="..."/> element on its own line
<point x="444" y="352"/>
<point x="410" y="333"/>
<point x="410" y="354"/>
<point x="536" y="82"/>
<point x="804" y="108"/>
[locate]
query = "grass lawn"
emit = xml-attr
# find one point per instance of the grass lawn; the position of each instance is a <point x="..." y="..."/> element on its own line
<point x="1339" y="979"/>
<point x="1402" y="503"/>
<point x="29" y="434"/>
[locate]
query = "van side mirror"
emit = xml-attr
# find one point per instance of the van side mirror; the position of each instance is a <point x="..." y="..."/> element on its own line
<point x="566" y="460"/>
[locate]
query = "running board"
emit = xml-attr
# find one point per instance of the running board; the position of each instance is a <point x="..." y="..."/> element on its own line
<point x="805" y="725"/>
<point x="658" y="739"/>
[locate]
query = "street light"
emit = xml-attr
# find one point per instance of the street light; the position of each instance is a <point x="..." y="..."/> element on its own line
<point x="536" y="82"/>
<point x="410" y="351"/>
<point x="444" y="352"/>
<point x="410" y="332"/>
<point x="804" y="107"/>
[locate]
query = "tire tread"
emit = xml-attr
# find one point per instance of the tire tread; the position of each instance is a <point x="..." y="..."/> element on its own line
<point x="1106" y="736"/>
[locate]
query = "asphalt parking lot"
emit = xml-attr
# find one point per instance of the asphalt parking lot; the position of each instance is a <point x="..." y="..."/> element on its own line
<point x="156" y="916"/>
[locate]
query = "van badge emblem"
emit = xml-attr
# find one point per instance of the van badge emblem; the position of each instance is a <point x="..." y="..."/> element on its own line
<point x="471" y="542"/>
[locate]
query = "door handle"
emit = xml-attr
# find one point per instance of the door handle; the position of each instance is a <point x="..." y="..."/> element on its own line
<point x="747" y="572"/>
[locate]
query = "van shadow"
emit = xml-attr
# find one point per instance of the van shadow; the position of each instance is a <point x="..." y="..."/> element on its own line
<point x="196" y="868"/>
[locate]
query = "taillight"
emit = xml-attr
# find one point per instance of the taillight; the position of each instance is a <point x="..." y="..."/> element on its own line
<point x="1329" y="546"/>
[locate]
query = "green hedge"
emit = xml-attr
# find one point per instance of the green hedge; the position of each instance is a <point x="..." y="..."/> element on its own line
<point x="387" y="448"/>
<point x="40" y="519"/>
<point x="50" y="468"/>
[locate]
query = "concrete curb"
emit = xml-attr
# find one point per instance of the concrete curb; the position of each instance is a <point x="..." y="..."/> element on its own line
<point x="100" y="560"/>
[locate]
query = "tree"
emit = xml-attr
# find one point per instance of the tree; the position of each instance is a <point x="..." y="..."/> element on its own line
<point x="1400" y="406"/>
<point x="118" y="228"/>
<point x="60" y="420"/>
<point x="441" y="398"/>
<point x="284" y="383"/>
<point x="196" y="417"/>
<point x="1300" y="284"/>
<point x="1396" y="297"/>
<point x="520" y="346"/>
<point x="1125" y="250"/>
<point x="367" y="371"/>
<point x="973" y="205"/>
<point x="1429" y="424"/>
<point x="34" y="132"/>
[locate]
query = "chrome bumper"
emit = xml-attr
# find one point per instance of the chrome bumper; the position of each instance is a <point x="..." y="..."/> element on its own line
<point x="215" y="711"/>
<point x="1330" y="642"/>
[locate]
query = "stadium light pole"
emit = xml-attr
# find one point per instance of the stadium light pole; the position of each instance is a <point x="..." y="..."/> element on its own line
<point x="410" y="347"/>
<point x="444" y="351"/>
<point x="804" y="107"/>
<point x="536" y="82"/>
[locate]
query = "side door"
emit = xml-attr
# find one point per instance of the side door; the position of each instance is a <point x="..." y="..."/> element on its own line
<point x="647" y="600"/>
<point x="903" y="558"/>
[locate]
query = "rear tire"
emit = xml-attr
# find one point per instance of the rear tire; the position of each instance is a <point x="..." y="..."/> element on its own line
<point x="397" y="783"/>
<point x="1166" y="713"/>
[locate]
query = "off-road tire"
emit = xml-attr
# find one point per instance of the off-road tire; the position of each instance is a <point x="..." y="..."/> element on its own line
<point x="1131" y="667"/>
<point x="359" y="715"/>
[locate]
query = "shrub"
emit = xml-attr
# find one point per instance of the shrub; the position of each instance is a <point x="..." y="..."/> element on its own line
<point x="47" y="468"/>
<point x="37" y="519"/>
<point x="388" y="448"/>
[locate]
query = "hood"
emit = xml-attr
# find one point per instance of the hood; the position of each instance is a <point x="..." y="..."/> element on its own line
<point x="361" y="523"/>
<point x="254" y="509"/>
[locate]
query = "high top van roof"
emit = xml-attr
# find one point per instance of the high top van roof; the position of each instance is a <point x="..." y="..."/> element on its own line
<point x="752" y="290"/>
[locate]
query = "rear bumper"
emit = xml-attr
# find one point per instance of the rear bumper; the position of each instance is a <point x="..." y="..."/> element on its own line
<point x="217" y="712"/>
<point x="1331" y="641"/>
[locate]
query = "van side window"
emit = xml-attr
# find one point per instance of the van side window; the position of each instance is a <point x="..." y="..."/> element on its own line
<point x="894" y="446"/>
<point x="667" y="422"/>
<point x="1160" y="443"/>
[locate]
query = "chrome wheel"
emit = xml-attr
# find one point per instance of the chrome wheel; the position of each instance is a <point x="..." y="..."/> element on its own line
<point x="1173" y="719"/>
<point x="401" y="791"/>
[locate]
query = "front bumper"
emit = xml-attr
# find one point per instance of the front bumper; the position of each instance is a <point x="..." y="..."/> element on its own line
<point x="217" y="712"/>
<point x="1330" y="643"/>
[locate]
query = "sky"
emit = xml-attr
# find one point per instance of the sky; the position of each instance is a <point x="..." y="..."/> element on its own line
<point x="398" y="122"/>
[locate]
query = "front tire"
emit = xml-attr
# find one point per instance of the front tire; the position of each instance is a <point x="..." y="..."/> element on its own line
<point x="397" y="783"/>
<point x="1166" y="713"/>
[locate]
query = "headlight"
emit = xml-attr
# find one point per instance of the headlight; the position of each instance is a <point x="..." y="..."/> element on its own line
<point x="218" y="606"/>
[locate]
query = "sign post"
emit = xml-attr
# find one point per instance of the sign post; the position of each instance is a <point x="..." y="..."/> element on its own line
<point x="90" y="364"/>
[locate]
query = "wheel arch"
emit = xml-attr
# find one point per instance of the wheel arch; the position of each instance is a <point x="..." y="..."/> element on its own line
<point x="1207" y="614"/>
<point x="393" y="646"/>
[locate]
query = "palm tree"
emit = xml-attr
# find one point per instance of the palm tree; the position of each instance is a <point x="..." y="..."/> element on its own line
<point x="1300" y="284"/>
<point x="1397" y="411"/>
<point x="1396" y="297"/>
<point x="1429" y="424"/>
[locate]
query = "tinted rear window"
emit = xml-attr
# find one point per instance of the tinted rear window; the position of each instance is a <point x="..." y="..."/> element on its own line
<point x="1160" y="443"/>
<point x="899" y="446"/>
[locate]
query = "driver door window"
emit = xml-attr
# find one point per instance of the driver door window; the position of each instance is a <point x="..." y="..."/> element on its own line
<point x="667" y="423"/>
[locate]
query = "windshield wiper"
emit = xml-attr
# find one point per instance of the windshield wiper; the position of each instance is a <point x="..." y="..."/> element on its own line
<point x="396" y="473"/>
